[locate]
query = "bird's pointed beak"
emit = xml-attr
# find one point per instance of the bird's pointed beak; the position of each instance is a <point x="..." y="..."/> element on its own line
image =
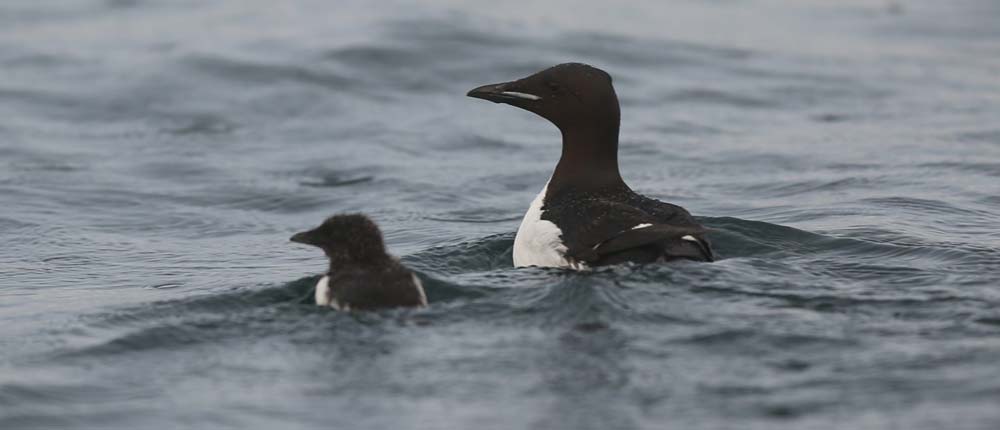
<point x="302" y="238"/>
<point x="506" y="92"/>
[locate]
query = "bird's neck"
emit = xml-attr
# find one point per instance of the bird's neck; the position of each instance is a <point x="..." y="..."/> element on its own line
<point x="339" y="258"/>
<point x="589" y="159"/>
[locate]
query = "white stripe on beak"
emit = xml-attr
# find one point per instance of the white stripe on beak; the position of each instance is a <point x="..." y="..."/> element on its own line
<point x="524" y="96"/>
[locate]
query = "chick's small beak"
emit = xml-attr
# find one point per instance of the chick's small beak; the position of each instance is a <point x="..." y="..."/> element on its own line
<point x="302" y="237"/>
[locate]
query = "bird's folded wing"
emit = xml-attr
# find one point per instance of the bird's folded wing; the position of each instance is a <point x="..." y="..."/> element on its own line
<point x="678" y="241"/>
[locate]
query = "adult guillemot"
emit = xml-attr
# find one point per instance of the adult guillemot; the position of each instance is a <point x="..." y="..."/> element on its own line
<point x="361" y="275"/>
<point x="586" y="215"/>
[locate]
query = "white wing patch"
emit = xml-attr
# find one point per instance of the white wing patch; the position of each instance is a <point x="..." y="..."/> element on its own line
<point x="519" y="95"/>
<point x="687" y="237"/>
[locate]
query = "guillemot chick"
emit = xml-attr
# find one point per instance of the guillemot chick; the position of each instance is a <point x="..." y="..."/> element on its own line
<point x="362" y="275"/>
<point x="586" y="215"/>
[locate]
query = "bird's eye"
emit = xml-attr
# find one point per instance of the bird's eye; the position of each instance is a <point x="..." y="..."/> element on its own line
<point x="554" y="87"/>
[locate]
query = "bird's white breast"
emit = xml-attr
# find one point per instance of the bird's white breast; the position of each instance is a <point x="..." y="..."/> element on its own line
<point x="322" y="294"/>
<point x="324" y="297"/>
<point x="539" y="242"/>
<point x="420" y="290"/>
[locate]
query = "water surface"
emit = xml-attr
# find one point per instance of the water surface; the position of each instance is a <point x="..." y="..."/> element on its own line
<point x="156" y="156"/>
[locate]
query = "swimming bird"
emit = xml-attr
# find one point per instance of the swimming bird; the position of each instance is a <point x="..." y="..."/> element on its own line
<point x="362" y="275"/>
<point x="585" y="214"/>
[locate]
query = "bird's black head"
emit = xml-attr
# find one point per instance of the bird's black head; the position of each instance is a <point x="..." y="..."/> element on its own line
<point x="346" y="238"/>
<point x="572" y="96"/>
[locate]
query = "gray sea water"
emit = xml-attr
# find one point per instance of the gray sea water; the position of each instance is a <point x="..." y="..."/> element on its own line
<point x="156" y="156"/>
